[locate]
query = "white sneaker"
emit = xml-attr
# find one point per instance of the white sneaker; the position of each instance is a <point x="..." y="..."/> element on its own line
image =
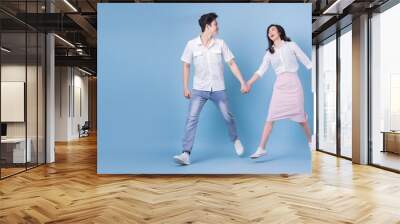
<point x="238" y="147"/>
<point x="260" y="152"/>
<point x="182" y="159"/>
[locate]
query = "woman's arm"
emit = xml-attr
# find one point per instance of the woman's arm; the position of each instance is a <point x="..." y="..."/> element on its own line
<point x="253" y="79"/>
<point x="301" y="56"/>
<point x="261" y="70"/>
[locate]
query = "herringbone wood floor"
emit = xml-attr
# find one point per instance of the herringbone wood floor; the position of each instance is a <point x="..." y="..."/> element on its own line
<point x="70" y="191"/>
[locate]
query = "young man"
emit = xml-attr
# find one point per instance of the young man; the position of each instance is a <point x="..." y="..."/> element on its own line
<point x="207" y="53"/>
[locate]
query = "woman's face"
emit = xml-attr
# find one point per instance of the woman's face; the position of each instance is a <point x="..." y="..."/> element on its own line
<point x="273" y="33"/>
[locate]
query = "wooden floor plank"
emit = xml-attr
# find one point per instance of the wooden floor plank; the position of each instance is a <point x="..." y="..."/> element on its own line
<point x="70" y="191"/>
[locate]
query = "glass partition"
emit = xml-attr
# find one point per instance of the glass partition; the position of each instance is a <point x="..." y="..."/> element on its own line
<point x="327" y="95"/>
<point x="22" y="77"/>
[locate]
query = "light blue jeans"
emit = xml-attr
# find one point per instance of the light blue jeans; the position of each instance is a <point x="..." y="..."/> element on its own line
<point x="197" y="101"/>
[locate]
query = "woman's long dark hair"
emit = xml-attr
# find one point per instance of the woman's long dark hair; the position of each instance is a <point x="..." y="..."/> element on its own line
<point x="282" y="35"/>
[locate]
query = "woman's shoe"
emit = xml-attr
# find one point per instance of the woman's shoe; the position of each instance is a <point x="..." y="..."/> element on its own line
<point x="260" y="152"/>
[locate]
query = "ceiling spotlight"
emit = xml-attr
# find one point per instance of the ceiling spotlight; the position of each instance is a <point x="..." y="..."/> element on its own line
<point x="70" y="5"/>
<point x="65" y="41"/>
<point x="84" y="71"/>
<point x="5" y="50"/>
<point x="337" y="7"/>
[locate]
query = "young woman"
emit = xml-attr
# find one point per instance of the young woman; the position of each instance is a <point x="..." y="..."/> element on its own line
<point x="287" y="98"/>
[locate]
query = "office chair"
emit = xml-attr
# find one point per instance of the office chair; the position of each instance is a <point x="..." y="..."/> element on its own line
<point x="84" y="130"/>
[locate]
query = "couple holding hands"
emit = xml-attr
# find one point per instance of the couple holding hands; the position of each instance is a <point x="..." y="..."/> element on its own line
<point x="207" y="54"/>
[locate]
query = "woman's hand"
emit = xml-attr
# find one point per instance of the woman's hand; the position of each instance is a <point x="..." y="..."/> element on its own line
<point x="248" y="85"/>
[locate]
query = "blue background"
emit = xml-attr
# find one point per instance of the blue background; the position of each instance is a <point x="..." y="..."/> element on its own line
<point x="141" y="108"/>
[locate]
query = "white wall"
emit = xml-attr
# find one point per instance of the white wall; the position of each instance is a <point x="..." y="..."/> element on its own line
<point x="16" y="72"/>
<point x="9" y="73"/>
<point x="79" y="117"/>
<point x="70" y="83"/>
<point x="62" y="81"/>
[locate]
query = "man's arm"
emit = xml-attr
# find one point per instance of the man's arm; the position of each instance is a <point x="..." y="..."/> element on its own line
<point x="236" y="72"/>
<point x="186" y="73"/>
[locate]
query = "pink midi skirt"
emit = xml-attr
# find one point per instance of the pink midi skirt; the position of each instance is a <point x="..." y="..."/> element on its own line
<point x="287" y="99"/>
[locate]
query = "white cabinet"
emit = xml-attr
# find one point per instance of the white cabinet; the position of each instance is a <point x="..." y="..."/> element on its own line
<point x="18" y="153"/>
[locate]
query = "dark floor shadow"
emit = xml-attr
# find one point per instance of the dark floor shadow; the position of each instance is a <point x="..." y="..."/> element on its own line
<point x="266" y="159"/>
<point x="204" y="158"/>
<point x="200" y="155"/>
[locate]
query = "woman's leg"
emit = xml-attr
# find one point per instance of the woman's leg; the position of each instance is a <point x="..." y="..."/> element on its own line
<point x="266" y="132"/>
<point x="306" y="130"/>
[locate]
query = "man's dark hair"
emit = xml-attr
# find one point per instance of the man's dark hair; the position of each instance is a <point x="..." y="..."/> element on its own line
<point x="207" y="19"/>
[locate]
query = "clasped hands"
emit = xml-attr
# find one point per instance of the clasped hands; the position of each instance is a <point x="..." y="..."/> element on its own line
<point x="245" y="88"/>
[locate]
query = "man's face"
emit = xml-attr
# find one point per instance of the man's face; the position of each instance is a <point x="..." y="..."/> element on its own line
<point x="213" y="27"/>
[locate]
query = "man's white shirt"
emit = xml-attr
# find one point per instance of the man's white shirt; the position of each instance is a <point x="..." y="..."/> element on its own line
<point x="208" y="63"/>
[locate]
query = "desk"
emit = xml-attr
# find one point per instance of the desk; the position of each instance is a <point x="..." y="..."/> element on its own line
<point x="17" y="150"/>
<point x="391" y="141"/>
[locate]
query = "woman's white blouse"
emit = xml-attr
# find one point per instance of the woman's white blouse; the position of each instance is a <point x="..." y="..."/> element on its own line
<point x="284" y="59"/>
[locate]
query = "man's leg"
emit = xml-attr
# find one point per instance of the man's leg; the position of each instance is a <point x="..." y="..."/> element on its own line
<point x="199" y="98"/>
<point x="221" y="101"/>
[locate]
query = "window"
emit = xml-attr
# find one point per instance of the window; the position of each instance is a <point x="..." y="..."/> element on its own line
<point x="346" y="92"/>
<point x="385" y="89"/>
<point x="327" y="96"/>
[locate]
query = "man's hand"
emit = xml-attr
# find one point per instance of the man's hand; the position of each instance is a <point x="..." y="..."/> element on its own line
<point x="244" y="88"/>
<point x="186" y="93"/>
